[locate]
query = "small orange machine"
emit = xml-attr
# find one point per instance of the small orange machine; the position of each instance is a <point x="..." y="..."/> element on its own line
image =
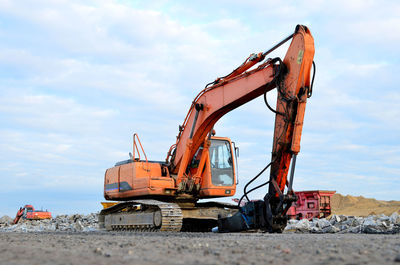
<point x="29" y="213"/>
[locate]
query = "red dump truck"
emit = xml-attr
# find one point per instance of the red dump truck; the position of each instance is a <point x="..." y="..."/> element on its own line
<point x="29" y="213"/>
<point x="311" y="204"/>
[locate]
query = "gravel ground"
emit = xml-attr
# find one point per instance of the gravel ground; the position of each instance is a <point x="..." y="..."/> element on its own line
<point x="197" y="248"/>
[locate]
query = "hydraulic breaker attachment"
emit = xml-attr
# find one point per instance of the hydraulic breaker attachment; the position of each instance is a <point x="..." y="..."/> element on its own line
<point x="268" y="215"/>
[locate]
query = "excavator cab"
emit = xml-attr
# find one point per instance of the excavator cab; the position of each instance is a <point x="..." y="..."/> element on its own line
<point x="219" y="176"/>
<point x="221" y="161"/>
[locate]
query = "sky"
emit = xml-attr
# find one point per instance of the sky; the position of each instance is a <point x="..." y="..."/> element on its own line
<point x="78" y="78"/>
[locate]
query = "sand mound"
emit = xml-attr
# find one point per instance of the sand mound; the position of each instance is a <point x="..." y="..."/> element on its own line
<point x="6" y="220"/>
<point x="360" y="206"/>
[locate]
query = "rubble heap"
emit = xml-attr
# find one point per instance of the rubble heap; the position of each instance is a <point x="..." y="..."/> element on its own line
<point x="71" y="223"/>
<point x="373" y="224"/>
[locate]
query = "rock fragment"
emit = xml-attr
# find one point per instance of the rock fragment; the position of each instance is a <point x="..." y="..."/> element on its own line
<point x="395" y="218"/>
<point x="323" y="223"/>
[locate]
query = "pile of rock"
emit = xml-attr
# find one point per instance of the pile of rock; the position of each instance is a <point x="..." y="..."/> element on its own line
<point x="72" y="223"/>
<point x="5" y="221"/>
<point x="373" y="224"/>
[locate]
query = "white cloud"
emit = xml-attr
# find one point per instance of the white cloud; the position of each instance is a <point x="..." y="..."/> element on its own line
<point x="53" y="113"/>
<point x="80" y="78"/>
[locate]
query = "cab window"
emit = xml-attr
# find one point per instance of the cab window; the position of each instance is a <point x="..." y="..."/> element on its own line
<point x="221" y="163"/>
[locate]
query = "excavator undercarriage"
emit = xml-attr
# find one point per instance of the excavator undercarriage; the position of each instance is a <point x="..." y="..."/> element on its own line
<point x="154" y="215"/>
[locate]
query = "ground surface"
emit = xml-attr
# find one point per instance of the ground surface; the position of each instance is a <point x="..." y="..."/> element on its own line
<point x="197" y="248"/>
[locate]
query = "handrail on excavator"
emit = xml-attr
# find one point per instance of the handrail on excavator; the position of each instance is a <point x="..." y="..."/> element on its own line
<point x="136" y="136"/>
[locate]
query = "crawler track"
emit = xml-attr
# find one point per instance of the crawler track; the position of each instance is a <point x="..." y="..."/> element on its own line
<point x="142" y="215"/>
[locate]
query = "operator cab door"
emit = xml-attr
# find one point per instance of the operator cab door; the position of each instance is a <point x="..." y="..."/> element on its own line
<point x="221" y="163"/>
<point x="219" y="177"/>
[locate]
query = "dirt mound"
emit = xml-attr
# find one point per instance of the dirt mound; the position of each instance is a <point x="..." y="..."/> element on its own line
<point x="6" y="220"/>
<point x="360" y="206"/>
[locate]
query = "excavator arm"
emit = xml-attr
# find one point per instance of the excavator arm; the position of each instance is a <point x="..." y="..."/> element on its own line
<point x="292" y="79"/>
<point x="18" y="216"/>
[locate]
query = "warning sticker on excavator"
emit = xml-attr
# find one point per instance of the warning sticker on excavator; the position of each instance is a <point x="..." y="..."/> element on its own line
<point x="300" y="56"/>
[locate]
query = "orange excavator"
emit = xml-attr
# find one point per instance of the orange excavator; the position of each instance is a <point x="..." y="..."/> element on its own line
<point x="164" y="195"/>
<point x="29" y="213"/>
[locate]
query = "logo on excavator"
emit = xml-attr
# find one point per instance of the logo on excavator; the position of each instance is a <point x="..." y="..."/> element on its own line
<point x="300" y="56"/>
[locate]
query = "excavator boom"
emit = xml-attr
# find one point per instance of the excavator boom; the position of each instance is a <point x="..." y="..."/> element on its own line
<point x="294" y="86"/>
<point x="291" y="78"/>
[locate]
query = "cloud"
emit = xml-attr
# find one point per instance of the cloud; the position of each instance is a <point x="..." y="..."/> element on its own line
<point x="77" y="79"/>
<point x="47" y="112"/>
